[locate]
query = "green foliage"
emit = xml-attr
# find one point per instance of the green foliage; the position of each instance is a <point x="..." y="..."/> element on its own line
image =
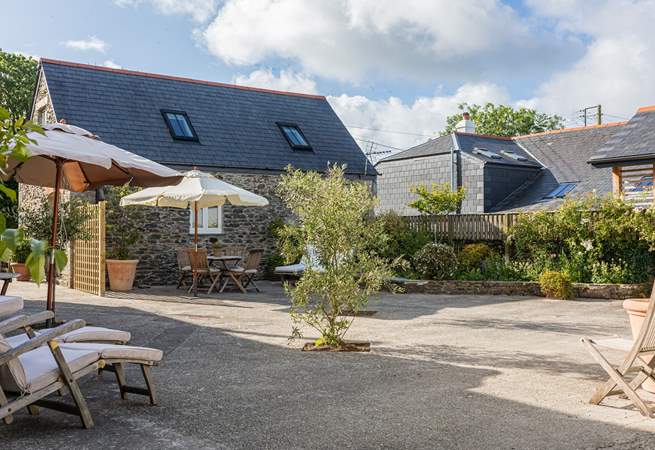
<point x="17" y="81"/>
<point x="332" y="215"/>
<point x="503" y="120"/>
<point x="592" y="239"/>
<point x="37" y="221"/>
<point x="22" y="251"/>
<point x="401" y="241"/>
<point x="473" y="255"/>
<point x="436" y="261"/>
<point x="440" y="199"/>
<point x="122" y="223"/>
<point x="556" y="285"/>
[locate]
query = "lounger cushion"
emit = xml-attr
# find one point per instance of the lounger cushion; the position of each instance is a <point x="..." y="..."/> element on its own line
<point x="13" y="369"/>
<point x="41" y="369"/>
<point x="293" y="269"/>
<point x="10" y="305"/>
<point x="615" y="343"/>
<point x="84" y="334"/>
<point x="110" y="351"/>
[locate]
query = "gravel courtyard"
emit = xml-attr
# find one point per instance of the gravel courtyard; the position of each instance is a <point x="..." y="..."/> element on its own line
<point x="445" y="372"/>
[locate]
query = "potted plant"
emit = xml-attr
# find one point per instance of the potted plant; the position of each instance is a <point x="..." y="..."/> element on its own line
<point x="122" y="234"/>
<point x="335" y="230"/>
<point x="22" y="251"/>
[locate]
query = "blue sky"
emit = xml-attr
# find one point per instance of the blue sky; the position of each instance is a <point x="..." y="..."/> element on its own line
<point x="384" y="64"/>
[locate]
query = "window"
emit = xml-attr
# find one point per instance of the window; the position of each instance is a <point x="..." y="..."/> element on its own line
<point x="512" y="155"/>
<point x="210" y="220"/>
<point x="294" y="136"/>
<point x="561" y="190"/>
<point x="487" y="153"/>
<point x="179" y="125"/>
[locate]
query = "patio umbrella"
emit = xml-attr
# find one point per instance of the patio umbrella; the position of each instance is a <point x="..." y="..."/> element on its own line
<point x="198" y="190"/>
<point x="73" y="158"/>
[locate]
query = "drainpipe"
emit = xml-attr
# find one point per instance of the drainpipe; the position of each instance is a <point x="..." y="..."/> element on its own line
<point x="455" y="167"/>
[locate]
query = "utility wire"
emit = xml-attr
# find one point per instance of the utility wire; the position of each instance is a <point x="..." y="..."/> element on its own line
<point x="409" y="133"/>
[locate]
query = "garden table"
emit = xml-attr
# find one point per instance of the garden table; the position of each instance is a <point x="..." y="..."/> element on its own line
<point x="6" y="278"/>
<point x="224" y="263"/>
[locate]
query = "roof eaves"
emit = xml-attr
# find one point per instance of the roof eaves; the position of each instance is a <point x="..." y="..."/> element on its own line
<point x="569" y="130"/>
<point x="174" y="78"/>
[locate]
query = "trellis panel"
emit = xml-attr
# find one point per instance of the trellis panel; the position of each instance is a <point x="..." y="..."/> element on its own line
<point x="88" y="256"/>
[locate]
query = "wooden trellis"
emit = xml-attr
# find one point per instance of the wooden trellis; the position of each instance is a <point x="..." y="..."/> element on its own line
<point x="87" y="257"/>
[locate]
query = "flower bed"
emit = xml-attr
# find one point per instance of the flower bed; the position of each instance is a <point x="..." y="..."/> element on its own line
<point x="527" y="288"/>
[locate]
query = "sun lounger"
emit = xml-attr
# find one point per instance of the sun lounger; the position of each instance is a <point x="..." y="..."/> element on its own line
<point x="639" y="361"/>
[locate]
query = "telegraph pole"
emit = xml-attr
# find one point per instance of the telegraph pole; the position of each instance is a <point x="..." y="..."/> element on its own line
<point x="599" y="114"/>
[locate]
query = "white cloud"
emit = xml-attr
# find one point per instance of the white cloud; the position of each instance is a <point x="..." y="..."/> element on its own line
<point x="199" y="10"/>
<point x="286" y="80"/>
<point x="618" y="67"/>
<point x="425" y="116"/>
<point x="349" y="39"/>
<point x="111" y="64"/>
<point x="92" y="43"/>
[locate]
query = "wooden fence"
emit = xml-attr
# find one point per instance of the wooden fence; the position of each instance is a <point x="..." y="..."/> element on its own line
<point x="87" y="257"/>
<point x="465" y="227"/>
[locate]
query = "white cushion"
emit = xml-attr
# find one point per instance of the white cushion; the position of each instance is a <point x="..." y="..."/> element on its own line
<point x="84" y="334"/>
<point x="111" y="351"/>
<point x="10" y="305"/>
<point x="615" y="343"/>
<point x="41" y="369"/>
<point x="11" y="371"/>
<point x="291" y="269"/>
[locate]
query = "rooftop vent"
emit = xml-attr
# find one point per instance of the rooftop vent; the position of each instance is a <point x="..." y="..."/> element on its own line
<point x="512" y="155"/>
<point x="487" y="153"/>
<point x="466" y="125"/>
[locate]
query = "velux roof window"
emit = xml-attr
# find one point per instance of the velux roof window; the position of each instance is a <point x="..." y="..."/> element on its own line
<point x="179" y="125"/>
<point x="561" y="190"/>
<point x="294" y="136"/>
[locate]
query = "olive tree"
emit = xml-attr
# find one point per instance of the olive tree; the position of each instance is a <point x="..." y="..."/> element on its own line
<point x="333" y="228"/>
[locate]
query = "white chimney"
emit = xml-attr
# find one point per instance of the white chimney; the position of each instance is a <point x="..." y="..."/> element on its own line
<point x="466" y="125"/>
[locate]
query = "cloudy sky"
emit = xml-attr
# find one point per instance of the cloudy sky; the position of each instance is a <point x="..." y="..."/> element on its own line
<point x="393" y="70"/>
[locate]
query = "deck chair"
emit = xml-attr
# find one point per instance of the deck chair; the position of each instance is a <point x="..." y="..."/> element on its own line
<point x="40" y="367"/>
<point x="638" y="361"/>
<point x="243" y="276"/>
<point x="183" y="266"/>
<point x="231" y="250"/>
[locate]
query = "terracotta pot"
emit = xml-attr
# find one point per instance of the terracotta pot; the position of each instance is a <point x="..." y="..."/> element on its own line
<point x="21" y="268"/>
<point x="636" y="309"/>
<point x="121" y="273"/>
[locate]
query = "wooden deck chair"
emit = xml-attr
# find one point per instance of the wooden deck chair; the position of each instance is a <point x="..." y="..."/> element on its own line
<point x="243" y="276"/>
<point x="231" y="250"/>
<point x="183" y="266"/>
<point x="40" y="367"/>
<point x="638" y="361"/>
<point x="200" y="268"/>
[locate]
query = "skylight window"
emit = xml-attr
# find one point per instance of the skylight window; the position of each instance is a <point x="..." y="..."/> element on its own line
<point x="487" y="153"/>
<point x="294" y="136"/>
<point x="179" y="125"/>
<point x="561" y="190"/>
<point x="513" y="155"/>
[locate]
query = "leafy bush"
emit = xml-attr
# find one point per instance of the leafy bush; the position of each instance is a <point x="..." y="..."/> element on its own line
<point x="440" y="199"/>
<point x="22" y="252"/>
<point x="556" y="285"/>
<point x="590" y="238"/>
<point x="472" y="256"/>
<point x="122" y="224"/>
<point x="400" y="240"/>
<point x="37" y="221"/>
<point x="436" y="261"/>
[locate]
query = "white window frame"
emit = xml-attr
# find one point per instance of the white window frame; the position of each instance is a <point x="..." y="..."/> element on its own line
<point x="203" y="214"/>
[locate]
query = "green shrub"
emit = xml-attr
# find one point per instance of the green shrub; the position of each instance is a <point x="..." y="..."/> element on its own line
<point x="472" y="256"/>
<point x="436" y="261"/>
<point x="609" y="272"/>
<point x="556" y="285"/>
<point x="400" y="240"/>
<point x="22" y="251"/>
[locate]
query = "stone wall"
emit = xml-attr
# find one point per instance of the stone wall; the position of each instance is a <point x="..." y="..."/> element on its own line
<point x="527" y="288"/>
<point x="398" y="177"/>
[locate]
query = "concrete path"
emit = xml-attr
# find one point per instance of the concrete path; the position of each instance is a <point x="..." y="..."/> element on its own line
<point x="445" y="372"/>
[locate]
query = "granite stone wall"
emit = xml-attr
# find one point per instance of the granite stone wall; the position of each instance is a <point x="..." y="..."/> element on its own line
<point x="398" y="177"/>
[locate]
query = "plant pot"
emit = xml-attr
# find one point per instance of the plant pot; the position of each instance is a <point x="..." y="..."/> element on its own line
<point x="21" y="268"/>
<point x="636" y="309"/>
<point x="121" y="273"/>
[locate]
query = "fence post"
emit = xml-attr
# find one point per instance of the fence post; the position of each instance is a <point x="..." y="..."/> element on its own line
<point x="451" y="230"/>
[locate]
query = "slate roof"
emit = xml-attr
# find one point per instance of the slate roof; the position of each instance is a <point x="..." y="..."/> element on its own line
<point x="236" y="125"/>
<point x="635" y="143"/>
<point x="563" y="154"/>
<point x="467" y="142"/>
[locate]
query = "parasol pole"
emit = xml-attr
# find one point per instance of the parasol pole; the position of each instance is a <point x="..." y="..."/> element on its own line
<point x="53" y="238"/>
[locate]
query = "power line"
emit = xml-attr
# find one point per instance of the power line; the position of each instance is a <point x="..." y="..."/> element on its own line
<point x="409" y="133"/>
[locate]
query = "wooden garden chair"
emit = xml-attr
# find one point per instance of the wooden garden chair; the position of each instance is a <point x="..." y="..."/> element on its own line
<point x="639" y="361"/>
<point x="200" y="268"/>
<point x="243" y="276"/>
<point x="183" y="266"/>
<point x="231" y="250"/>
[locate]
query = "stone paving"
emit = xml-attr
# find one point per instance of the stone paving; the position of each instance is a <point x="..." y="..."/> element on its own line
<point x="445" y="372"/>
